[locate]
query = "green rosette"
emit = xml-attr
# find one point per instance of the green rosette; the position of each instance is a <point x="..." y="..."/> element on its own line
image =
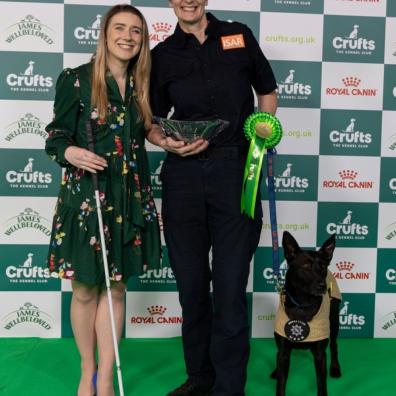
<point x="267" y="137"/>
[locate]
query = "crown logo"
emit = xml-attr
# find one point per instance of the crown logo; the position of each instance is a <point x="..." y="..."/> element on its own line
<point x="162" y="27"/>
<point x="156" y="310"/>
<point x="345" y="266"/>
<point x="348" y="174"/>
<point x="351" y="81"/>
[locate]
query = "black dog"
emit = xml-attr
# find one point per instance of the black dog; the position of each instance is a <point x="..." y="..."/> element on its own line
<point x="308" y="283"/>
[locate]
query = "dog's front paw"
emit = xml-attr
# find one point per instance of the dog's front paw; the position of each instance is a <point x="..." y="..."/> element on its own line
<point x="335" y="371"/>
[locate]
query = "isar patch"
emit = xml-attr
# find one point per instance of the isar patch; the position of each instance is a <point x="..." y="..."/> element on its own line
<point x="232" y="42"/>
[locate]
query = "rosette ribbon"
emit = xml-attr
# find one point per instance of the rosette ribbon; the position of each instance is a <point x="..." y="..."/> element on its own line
<point x="264" y="132"/>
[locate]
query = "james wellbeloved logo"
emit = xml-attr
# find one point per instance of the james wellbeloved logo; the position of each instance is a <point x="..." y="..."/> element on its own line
<point x="354" y="39"/>
<point x="28" y="124"/>
<point x="348" y="179"/>
<point x="347" y="270"/>
<point x="30" y="26"/>
<point x="352" y="86"/>
<point x="28" y="314"/>
<point x="160" y="31"/>
<point x="388" y="321"/>
<point x="28" y="219"/>
<point x="390" y="232"/>
<point x="156" y="314"/>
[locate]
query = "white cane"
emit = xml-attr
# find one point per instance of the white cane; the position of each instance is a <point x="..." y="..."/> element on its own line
<point x="104" y="255"/>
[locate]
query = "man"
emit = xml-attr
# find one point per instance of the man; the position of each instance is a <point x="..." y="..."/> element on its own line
<point x="206" y="70"/>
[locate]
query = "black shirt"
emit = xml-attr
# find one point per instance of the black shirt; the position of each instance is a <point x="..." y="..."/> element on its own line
<point x="210" y="80"/>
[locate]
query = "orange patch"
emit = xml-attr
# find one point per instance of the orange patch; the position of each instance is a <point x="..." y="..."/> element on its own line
<point x="232" y="42"/>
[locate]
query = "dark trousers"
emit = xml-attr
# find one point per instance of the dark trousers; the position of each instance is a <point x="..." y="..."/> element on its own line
<point x="201" y="210"/>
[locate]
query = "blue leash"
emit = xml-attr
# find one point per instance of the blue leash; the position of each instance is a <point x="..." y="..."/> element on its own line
<point x="274" y="223"/>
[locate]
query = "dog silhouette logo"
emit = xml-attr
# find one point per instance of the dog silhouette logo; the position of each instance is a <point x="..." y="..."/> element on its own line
<point x="28" y="262"/>
<point x="351" y="127"/>
<point x="96" y="24"/>
<point x="347" y="218"/>
<point x="29" y="70"/>
<point x="353" y="35"/>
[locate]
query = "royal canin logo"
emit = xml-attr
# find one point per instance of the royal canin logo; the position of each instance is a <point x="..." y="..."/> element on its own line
<point x="156" y="316"/>
<point x="351" y="87"/>
<point x="345" y="271"/>
<point x="161" y="31"/>
<point x="348" y="181"/>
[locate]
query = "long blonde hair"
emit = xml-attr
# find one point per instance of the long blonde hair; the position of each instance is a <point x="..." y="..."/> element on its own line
<point x="140" y="68"/>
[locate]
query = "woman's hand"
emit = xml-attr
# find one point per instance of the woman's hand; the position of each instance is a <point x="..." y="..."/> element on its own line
<point x="184" y="149"/>
<point x="84" y="159"/>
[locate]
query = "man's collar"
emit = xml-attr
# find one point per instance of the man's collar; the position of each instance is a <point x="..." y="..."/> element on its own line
<point x="180" y="37"/>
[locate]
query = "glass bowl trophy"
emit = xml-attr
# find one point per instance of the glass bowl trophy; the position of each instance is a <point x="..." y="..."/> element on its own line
<point x="190" y="131"/>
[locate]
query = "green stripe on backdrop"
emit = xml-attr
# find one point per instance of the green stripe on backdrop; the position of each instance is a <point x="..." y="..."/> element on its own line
<point x="38" y="367"/>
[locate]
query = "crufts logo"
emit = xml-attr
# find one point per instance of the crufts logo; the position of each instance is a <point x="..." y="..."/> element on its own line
<point x="29" y="26"/>
<point x="29" y="219"/>
<point x="156" y="316"/>
<point x="155" y="176"/>
<point x="294" y="88"/>
<point x="27" y="178"/>
<point x="25" y="315"/>
<point x="348" y="177"/>
<point x="161" y="275"/>
<point x="161" y="31"/>
<point x="346" y="229"/>
<point x="353" y="44"/>
<point x="350" y="321"/>
<point x="28" y="81"/>
<point x="344" y="271"/>
<point x="89" y="34"/>
<point x="28" y="124"/>
<point x="286" y="182"/>
<point x="27" y="272"/>
<point x="351" y="88"/>
<point x="268" y="273"/>
<point x="350" y="135"/>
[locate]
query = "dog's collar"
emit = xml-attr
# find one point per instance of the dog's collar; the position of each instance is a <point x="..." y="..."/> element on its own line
<point x="295" y="302"/>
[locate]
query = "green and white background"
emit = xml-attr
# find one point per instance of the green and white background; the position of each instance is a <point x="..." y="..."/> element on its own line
<point x="335" y="64"/>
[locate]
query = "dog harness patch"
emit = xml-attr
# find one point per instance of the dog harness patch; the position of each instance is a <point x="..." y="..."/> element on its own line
<point x="296" y="330"/>
<point x="232" y="42"/>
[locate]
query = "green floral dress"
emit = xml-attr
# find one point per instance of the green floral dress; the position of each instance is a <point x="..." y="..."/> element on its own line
<point x="129" y="214"/>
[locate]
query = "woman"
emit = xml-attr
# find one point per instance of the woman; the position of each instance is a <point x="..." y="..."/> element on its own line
<point x="206" y="70"/>
<point x="112" y="92"/>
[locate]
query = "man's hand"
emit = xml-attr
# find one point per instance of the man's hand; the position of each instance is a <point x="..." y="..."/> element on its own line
<point x="84" y="159"/>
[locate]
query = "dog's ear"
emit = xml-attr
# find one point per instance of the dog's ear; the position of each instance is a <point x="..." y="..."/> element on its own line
<point x="290" y="246"/>
<point x="328" y="247"/>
